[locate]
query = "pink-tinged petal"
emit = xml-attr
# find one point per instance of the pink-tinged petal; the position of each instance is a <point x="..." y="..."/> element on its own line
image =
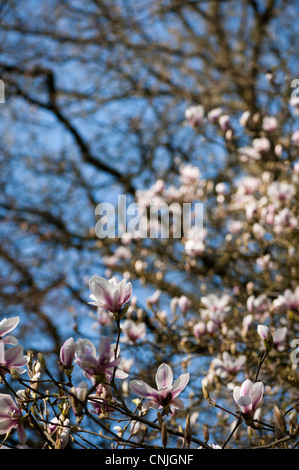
<point x="237" y="393"/>
<point x="164" y="376"/>
<point x="88" y="362"/>
<point x="246" y="388"/>
<point x="15" y="357"/>
<point x="148" y="404"/>
<point x="257" y="394"/>
<point x="9" y="339"/>
<point x="120" y="374"/>
<point x="177" y="403"/>
<point x="180" y="384"/>
<point x="245" y="404"/>
<point x="7" y="325"/>
<point x="143" y="390"/>
<point x="21" y="433"/>
<point x="7" y="404"/>
<point x="6" y="425"/>
<point x="2" y="354"/>
<point x="84" y="347"/>
<point x="104" y="348"/>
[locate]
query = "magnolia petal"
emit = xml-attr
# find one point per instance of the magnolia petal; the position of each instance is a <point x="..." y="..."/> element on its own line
<point x="180" y="384"/>
<point x="164" y="376"/>
<point x="177" y="403"/>
<point x="245" y="404"/>
<point x="257" y="394"/>
<point x="15" y="357"/>
<point x="143" y="390"/>
<point x="6" y="424"/>
<point x="246" y="387"/>
<point x="237" y="393"/>
<point x="21" y="433"/>
<point x="8" y="324"/>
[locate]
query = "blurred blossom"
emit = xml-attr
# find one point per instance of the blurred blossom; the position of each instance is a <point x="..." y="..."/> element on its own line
<point x="269" y="123"/>
<point x="195" y="115"/>
<point x="295" y="137"/>
<point x="279" y="338"/>
<point x="244" y="118"/>
<point x="189" y="174"/>
<point x="215" y="310"/>
<point x="214" y="115"/>
<point x="199" y="329"/>
<point x="228" y="365"/>
<point x="154" y="298"/>
<point x="288" y="300"/>
<point x="132" y="331"/>
<point x="224" y="122"/>
<point x="294" y="102"/>
<point x="184" y="303"/>
<point x="261" y="144"/>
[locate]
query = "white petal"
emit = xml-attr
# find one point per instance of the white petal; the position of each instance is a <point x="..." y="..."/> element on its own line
<point x="164" y="376"/>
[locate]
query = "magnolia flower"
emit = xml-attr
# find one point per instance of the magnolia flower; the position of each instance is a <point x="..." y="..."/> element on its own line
<point x="13" y="359"/>
<point x="266" y="336"/>
<point x="214" y="114"/>
<point x="189" y="174"/>
<point x="184" y="303"/>
<point x="165" y="396"/>
<point x="224" y="122"/>
<point x="7" y="325"/>
<point x="227" y="365"/>
<point x="67" y="353"/>
<point x="102" y="402"/>
<point x="269" y="123"/>
<point x="98" y="367"/>
<point x="78" y="398"/>
<point x="261" y="144"/>
<point x="248" y="397"/>
<point x="215" y="310"/>
<point x="110" y="295"/>
<point x="289" y="300"/>
<point x="133" y="331"/>
<point x="11" y="417"/>
<point x="195" y="115"/>
<point x="279" y="338"/>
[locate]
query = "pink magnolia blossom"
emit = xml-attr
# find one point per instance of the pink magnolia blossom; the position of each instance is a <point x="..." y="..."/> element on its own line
<point x="248" y="397"/>
<point x="165" y="396"/>
<point x="228" y="365"/>
<point x="11" y="417"/>
<point x="270" y="123"/>
<point x="215" y="310"/>
<point x="288" y="300"/>
<point x="13" y="359"/>
<point x="98" y="367"/>
<point x="110" y="295"/>
<point x="102" y="402"/>
<point x="133" y="331"/>
<point x="195" y="115"/>
<point x="6" y="326"/>
<point x="67" y="353"/>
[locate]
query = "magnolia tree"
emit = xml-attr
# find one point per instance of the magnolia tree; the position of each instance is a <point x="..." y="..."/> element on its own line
<point x="207" y="359"/>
